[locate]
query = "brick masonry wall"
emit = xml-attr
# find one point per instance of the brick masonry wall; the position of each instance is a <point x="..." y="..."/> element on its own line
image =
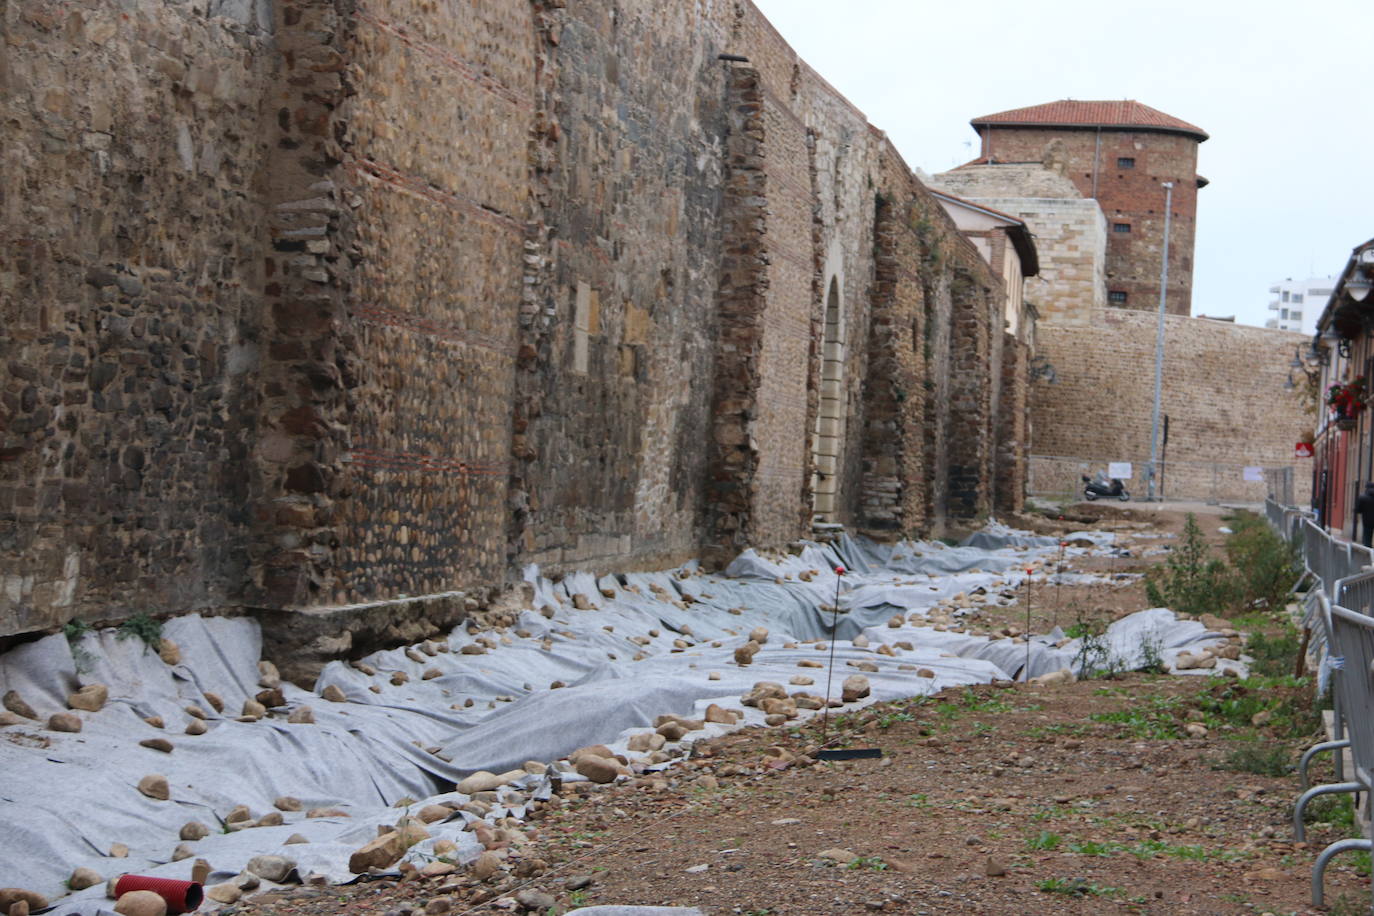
<point x="1130" y="197"/>
<point x="1223" y="392"/>
<point x="132" y="244"/>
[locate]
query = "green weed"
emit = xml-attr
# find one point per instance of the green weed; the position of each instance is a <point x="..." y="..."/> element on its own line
<point x="1260" y="760"/>
<point x="1155" y="717"/>
<point x="142" y="626"/>
<point x="1044" y="840"/>
<point x="1074" y="887"/>
<point x="871" y="863"/>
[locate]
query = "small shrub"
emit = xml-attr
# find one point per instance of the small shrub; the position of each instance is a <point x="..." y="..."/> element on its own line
<point x="1276" y="655"/>
<point x="1191" y="581"/>
<point x="1265" y="566"/>
<point x="1262" y="760"/>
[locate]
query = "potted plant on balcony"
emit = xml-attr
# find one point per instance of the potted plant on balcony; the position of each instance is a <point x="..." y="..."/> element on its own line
<point x="1347" y="400"/>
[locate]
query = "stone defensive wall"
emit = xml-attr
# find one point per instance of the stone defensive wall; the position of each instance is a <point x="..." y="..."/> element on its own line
<point x="1223" y="391"/>
<point x="326" y="309"/>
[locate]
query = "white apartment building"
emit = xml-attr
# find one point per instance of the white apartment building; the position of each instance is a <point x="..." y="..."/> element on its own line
<point x="1297" y="304"/>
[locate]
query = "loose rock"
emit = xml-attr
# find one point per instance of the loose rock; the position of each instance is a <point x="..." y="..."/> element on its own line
<point x="83" y="878"/>
<point x="155" y="786"/>
<point x="141" y="903"/>
<point x="90" y="698"/>
<point x="271" y="868"/>
<point x="15" y="704"/>
<point x="64" y="722"/>
<point x="855" y="687"/>
<point x="169" y="652"/>
<point x="194" y="830"/>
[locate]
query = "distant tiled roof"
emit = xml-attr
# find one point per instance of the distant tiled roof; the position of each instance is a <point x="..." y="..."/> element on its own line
<point x="1072" y="113"/>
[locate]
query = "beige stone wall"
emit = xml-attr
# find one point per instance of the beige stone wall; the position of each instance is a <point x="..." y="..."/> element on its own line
<point x="1070" y="233"/>
<point x="1223" y="392"/>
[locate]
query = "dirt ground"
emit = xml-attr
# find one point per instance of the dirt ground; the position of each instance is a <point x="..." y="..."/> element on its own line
<point x="1090" y="797"/>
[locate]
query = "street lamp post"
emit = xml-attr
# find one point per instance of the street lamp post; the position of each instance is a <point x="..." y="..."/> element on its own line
<point x="1159" y="343"/>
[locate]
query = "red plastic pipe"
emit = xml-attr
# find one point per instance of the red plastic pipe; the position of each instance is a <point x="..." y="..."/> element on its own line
<point x="181" y="896"/>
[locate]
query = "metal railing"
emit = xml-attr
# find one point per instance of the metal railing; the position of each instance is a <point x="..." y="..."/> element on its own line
<point x="1351" y="657"/>
<point x="1339" y="616"/>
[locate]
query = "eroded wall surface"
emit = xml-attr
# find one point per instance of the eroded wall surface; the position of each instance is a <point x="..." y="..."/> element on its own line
<point x="131" y="273"/>
<point x="384" y="300"/>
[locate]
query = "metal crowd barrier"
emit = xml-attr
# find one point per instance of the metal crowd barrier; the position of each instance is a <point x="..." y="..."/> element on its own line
<point x="1351" y="652"/>
<point x="1340" y="618"/>
<point x="1317" y="620"/>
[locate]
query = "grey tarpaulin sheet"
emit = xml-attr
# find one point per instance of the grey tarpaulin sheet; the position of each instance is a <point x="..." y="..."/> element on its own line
<point x="66" y="798"/>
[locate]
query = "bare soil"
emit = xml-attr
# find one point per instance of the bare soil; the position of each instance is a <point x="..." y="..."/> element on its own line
<point x="1077" y="798"/>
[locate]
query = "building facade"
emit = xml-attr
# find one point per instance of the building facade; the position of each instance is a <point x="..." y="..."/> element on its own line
<point x="1120" y="154"/>
<point x="1343" y="352"/>
<point x="1298" y="304"/>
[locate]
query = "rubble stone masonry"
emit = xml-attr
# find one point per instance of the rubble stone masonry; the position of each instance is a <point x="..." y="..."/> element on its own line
<point x="331" y="306"/>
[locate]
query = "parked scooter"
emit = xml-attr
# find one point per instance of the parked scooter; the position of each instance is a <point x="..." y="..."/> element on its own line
<point x="1099" y="487"/>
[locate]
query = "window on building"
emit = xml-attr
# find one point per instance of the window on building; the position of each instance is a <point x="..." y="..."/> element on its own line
<point x="1121" y="227"/>
<point x="1116" y="297"/>
<point x="1297" y="297"/>
<point x="1125" y="162"/>
<point x="1285" y="295"/>
<point x="1283" y="313"/>
<point x="1319" y="292"/>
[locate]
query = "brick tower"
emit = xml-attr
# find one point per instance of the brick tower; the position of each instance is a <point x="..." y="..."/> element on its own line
<point x="1118" y="153"/>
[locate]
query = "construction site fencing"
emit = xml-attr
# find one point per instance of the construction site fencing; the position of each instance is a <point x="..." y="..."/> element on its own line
<point x="1061" y="477"/>
<point x="1351" y="656"/>
<point x="1339" y="618"/>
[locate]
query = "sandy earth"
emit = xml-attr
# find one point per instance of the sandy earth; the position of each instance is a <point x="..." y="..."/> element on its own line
<point x="1075" y="798"/>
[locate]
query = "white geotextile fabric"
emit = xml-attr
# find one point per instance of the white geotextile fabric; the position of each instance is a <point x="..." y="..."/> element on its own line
<point x="66" y="798"/>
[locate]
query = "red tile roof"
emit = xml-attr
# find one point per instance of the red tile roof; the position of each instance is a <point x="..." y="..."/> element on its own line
<point x="1073" y="113"/>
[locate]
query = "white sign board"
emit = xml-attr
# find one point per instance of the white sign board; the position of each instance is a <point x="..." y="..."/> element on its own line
<point x="1253" y="474"/>
<point x="1119" y="470"/>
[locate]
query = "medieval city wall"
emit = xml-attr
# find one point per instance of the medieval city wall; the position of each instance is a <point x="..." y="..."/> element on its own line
<point x="1223" y="391"/>
<point x="336" y="306"/>
<point x="132" y="251"/>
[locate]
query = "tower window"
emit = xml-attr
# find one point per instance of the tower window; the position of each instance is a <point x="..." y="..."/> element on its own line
<point x="1116" y="297"/>
<point x="1121" y="227"/>
<point x="1125" y="162"/>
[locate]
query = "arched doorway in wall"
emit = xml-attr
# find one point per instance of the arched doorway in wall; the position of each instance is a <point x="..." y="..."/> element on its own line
<point x="829" y="435"/>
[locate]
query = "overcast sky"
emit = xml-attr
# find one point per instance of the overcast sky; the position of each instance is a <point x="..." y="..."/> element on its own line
<point x="1284" y="90"/>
